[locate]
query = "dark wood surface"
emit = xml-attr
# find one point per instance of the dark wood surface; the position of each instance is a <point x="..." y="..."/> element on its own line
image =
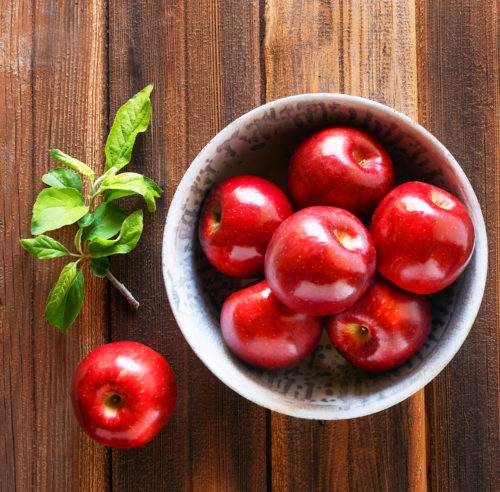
<point x="65" y="68"/>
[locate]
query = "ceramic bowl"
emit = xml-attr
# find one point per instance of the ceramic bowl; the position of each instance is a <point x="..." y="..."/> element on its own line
<point x="324" y="386"/>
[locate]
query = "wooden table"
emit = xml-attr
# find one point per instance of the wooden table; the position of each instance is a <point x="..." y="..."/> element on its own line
<point x="65" y="68"/>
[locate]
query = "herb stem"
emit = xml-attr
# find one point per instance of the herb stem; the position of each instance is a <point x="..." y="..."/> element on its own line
<point x="92" y="198"/>
<point x="128" y="295"/>
<point x="99" y="180"/>
<point x="95" y="189"/>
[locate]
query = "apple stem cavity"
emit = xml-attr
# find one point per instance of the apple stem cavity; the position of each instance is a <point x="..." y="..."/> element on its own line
<point x="361" y="332"/>
<point x="349" y="242"/>
<point x="360" y="157"/>
<point x="128" y="295"/>
<point x="216" y="217"/>
<point x="441" y="201"/>
<point x="114" y="401"/>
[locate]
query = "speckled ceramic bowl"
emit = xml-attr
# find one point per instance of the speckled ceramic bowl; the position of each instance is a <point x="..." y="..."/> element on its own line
<point x="324" y="386"/>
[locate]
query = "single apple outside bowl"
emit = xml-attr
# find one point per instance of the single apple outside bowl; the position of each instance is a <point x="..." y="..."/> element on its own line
<point x="323" y="386"/>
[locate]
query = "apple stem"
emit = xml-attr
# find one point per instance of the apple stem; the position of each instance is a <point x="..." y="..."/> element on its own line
<point x="128" y="295"/>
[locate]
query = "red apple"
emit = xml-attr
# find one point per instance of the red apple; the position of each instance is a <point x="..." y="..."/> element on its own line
<point x="343" y="167"/>
<point x="424" y="237"/>
<point x="265" y="333"/>
<point x="123" y="393"/>
<point x="383" y="329"/>
<point x="320" y="261"/>
<point x="237" y="221"/>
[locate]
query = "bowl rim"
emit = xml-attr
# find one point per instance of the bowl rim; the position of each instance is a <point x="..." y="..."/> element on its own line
<point x="266" y="397"/>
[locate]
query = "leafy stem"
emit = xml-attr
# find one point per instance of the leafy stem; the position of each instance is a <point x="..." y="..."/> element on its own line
<point x="103" y="230"/>
<point x="95" y="186"/>
<point x="92" y="198"/>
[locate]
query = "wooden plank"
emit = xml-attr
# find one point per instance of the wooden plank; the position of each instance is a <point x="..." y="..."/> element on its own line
<point x="69" y="84"/>
<point x="203" y="58"/>
<point x="366" y="49"/>
<point x="459" y="101"/>
<point x="52" y="83"/>
<point x="17" y="429"/>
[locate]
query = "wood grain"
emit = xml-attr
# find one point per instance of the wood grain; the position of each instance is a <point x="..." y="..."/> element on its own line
<point x="53" y="85"/>
<point x="17" y="416"/>
<point x="459" y="101"/>
<point x="69" y="113"/>
<point x="366" y="49"/>
<point x="62" y="77"/>
<point x="203" y="58"/>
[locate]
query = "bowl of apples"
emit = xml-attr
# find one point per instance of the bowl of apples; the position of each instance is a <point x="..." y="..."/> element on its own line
<point x="325" y="256"/>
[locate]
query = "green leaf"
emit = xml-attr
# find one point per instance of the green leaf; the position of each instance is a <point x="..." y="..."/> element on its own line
<point x="108" y="220"/>
<point x="86" y="220"/>
<point x="78" y="240"/>
<point x="110" y="195"/>
<point x="71" y="162"/>
<point x="44" y="247"/>
<point x="132" y="183"/>
<point x="100" y="266"/>
<point x="56" y="207"/>
<point x="155" y="189"/>
<point x="131" y="119"/>
<point x="129" y="236"/>
<point x="60" y="177"/>
<point x="66" y="297"/>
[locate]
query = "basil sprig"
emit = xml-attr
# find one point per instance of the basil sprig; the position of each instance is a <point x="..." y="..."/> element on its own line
<point x="104" y="229"/>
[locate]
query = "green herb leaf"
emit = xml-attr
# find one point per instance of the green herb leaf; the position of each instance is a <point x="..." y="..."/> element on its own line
<point x="60" y="177"/>
<point x="108" y="220"/>
<point x="71" y="162"/>
<point x="110" y="195"/>
<point x="100" y="266"/>
<point x="78" y="240"/>
<point x="155" y="190"/>
<point x="66" y="297"/>
<point x="132" y="183"/>
<point x="86" y="220"/>
<point x="56" y="207"/>
<point x="132" y="118"/>
<point x="129" y="236"/>
<point x="44" y="247"/>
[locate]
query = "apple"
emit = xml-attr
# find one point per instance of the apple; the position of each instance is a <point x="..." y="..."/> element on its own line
<point x="383" y="329"/>
<point x="320" y="261"/>
<point x="342" y="167"/>
<point x="237" y="221"/>
<point x="263" y="332"/>
<point x="424" y="237"/>
<point x="123" y="393"/>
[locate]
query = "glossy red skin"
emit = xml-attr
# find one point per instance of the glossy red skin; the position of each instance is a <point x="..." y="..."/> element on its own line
<point x="263" y="332"/>
<point x="324" y="171"/>
<point x="251" y="210"/>
<point x="310" y="270"/>
<point x="421" y="247"/>
<point x="138" y="374"/>
<point x="398" y="323"/>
